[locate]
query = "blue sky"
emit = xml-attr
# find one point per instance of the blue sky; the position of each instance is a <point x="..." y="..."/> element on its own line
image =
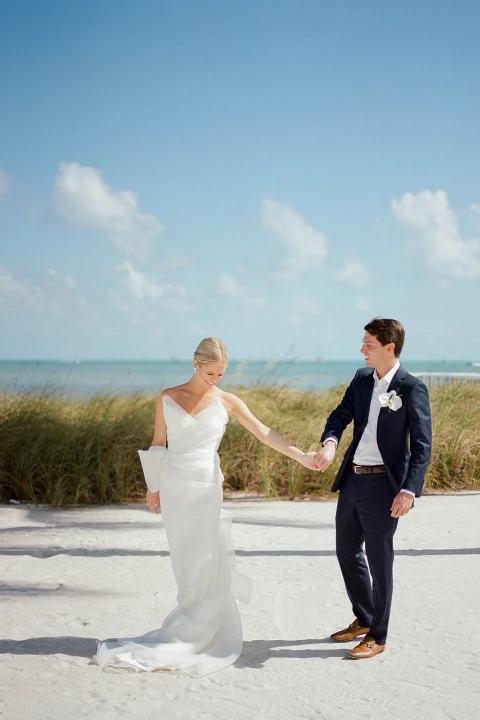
<point x="273" y="173"/>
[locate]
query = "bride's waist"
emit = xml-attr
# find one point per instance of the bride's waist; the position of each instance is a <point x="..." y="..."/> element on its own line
<point x="173" y="452"/>
<point x="201" y="462"/>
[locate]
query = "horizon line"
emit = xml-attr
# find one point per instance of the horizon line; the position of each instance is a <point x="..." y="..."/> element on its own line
<point x="78" y="360"/>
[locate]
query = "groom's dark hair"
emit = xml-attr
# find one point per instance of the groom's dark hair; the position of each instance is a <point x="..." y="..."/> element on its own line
<point x="387" y="331"/>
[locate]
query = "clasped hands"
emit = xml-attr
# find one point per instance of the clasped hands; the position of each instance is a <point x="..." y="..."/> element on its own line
<point x="320" y="461"/>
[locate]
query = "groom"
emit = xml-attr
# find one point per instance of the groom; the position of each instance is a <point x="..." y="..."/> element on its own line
<point x="379" y="476"/>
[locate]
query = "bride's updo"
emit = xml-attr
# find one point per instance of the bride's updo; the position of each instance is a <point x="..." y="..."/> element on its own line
<point x="211" y="350"/>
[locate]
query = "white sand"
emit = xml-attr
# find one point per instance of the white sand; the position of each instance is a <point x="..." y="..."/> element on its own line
<point x="69" y="577"/>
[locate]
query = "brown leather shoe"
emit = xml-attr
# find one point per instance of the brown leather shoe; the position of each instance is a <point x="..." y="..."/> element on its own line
<point x="350" y="633"/>
<point x="366" y="649"/>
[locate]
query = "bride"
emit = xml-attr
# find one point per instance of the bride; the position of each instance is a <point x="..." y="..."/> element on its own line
<point x="203" y="634"/>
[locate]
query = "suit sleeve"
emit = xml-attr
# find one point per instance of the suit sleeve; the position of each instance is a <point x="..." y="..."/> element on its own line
<point x="420" y="428"/>
<point x="341" y="416"/>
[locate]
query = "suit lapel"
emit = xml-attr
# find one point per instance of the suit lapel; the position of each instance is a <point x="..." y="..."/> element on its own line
<point x="367" y="391"/>
<point x="395" y="384"/>
<point x="397" y="380"/>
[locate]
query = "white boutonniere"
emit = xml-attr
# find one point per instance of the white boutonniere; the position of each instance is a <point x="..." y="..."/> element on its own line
<point x="390" y="400"/>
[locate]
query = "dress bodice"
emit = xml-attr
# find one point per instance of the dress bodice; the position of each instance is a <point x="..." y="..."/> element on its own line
<point x="201" y="433"/>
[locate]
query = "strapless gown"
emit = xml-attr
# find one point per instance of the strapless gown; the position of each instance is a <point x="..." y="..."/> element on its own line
<point x="203" y="634"/>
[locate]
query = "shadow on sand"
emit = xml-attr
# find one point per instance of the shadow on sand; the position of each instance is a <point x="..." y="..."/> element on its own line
<point x="255" y="653"/>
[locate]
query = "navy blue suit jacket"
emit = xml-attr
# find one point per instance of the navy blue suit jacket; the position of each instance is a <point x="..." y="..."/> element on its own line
<point x="405" y="465"/>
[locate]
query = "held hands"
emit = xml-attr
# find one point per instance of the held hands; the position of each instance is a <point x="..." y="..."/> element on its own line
<point x="308" y="461"/>
<point x="401" y="505"/>
<point x="153" y="501"/>
<point x="325" y="456"/>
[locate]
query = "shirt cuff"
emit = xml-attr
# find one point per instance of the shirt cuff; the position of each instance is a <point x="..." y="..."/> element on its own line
<point x="410" y="492"/>
<point x="330" y="439"/>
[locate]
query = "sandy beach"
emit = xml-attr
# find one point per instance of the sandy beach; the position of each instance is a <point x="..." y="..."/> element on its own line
<point x="69" y="577"/>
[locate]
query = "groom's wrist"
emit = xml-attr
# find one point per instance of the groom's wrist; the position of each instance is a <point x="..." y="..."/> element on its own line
<point x="330" y="440"/>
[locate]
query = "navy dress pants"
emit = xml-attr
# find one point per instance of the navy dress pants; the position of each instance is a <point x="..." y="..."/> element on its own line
<point x="363" y="516"/>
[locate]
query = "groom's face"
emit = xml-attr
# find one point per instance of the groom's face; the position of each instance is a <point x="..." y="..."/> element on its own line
<point x="376" y="355"/>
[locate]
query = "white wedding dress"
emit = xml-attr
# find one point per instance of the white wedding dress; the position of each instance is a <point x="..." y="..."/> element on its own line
<point x="203" y="634"/>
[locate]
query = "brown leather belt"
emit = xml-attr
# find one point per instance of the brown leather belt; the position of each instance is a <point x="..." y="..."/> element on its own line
<point x="367" y="469"/>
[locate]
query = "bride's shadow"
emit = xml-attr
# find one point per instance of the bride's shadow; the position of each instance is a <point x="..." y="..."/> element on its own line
<point x="256" y="652"/>
<point x="67" y="645"/>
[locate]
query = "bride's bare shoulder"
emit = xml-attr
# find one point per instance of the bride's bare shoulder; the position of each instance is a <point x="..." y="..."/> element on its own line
<point x="173" y="392"/>
<point x="229" y="400"/>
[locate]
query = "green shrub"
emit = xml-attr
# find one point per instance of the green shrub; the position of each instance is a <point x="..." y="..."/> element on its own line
<point x="60" y="451"/>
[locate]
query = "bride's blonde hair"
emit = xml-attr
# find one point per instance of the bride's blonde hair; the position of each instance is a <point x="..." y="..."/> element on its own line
<point x="211" y="350"/>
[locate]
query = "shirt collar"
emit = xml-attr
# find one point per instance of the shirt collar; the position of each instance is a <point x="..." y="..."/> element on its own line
<point x="387" y="379"/>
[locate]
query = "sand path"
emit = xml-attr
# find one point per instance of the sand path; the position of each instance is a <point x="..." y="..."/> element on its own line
<point x="69" y="577"/>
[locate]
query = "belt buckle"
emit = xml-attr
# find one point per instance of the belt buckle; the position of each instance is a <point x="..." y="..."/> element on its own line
<point x="355" y="467"/>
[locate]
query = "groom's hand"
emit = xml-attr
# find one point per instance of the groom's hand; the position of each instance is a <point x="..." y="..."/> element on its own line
<point x="324" y="458"/>
<point x="401" y="504"/>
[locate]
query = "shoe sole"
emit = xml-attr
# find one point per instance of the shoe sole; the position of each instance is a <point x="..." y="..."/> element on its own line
<point x="349" y="639"/>
<point x="363" y="657"/>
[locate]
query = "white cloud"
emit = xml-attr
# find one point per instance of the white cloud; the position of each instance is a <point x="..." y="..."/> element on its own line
<point x="15" y="293"/>
<point x="306" y="247"/>
<point x="353" y="272"/>
<point x="362" y="304"/>
<point x="53" y="294"/>
<point x="305" y="305"/>
<point x="68" y="280"/>
<point x="143" y="298"/>
<point x="250" y="298"/>
<point x="303" y="309"/>
<point x="142" y="287"/>
<point x="177" y="262"/>
<point x="227" y="285"/>
<point x="82" y="197"/>
<point x="4" y="182"/>
<point x="435" y="236"/>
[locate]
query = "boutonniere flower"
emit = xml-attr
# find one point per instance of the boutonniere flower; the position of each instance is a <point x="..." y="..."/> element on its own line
<point x="390" y="400"/>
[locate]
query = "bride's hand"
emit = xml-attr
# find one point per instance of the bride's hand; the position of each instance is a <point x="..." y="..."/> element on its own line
<point x="308" y="461"/>
<point x="153" y="501"/>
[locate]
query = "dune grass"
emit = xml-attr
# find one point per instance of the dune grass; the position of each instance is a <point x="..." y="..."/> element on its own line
<point x="62" y="452"/>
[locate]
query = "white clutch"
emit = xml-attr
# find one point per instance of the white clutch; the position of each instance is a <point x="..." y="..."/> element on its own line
<point x="151" y="460"/>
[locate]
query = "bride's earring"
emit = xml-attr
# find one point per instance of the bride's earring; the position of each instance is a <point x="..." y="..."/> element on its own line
<point x="194" y="369"/>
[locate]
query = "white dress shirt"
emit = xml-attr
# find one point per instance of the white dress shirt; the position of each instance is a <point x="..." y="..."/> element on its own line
<point x="367" y="452"/>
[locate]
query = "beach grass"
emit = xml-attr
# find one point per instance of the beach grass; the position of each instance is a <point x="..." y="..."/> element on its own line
<point x="61" y="451"/>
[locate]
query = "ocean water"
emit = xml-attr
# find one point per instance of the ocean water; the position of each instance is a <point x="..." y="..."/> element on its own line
<point x="123" y="377"/>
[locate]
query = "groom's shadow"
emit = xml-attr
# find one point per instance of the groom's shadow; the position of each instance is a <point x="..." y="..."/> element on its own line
<point x="256" y="652"/>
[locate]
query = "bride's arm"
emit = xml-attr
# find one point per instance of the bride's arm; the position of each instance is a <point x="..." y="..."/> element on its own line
<point x="239" y="410"/>
<point x="158" y="445"/>
<point x="160" y="428"/>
